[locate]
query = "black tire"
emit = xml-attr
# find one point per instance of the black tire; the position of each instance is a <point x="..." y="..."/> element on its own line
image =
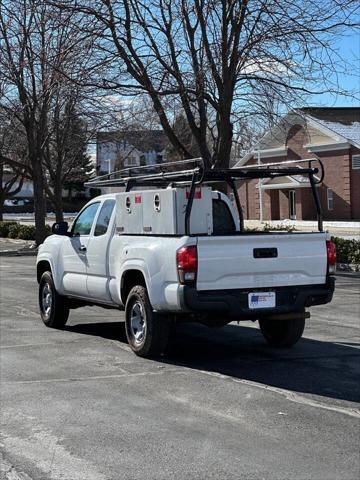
<point x="54" y="308"/>
<point x="147" y="332"/>
<point x="282" y="333"/>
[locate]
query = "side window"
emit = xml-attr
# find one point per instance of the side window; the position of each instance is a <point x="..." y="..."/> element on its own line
<point x="104" y="216"/>
<point x="223" y="222"/>
<point x="330" y="199"/>
<point x="84" y="221"/>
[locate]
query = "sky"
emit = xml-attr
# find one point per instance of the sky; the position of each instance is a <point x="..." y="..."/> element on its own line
<point x="349" y="50"/>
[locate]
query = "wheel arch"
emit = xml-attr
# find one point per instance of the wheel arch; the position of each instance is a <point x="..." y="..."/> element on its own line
<point x="130" y="278"/>
<point x="41" y="267"/>
<point x="44" y="264"/>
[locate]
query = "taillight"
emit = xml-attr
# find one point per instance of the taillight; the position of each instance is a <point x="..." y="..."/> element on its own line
<point x="331" y="257"/>
<point x="186" y="259"/>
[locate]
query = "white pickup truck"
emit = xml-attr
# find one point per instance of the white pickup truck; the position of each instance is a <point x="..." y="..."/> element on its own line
<point x="181" y="254"/>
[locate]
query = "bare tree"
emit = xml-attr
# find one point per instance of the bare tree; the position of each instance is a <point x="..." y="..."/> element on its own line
<point x="11" y="184"/>
<point x="13" y="148"/>
<point x="184" y="134"/>
<point x="65" y="156"/>
<point x="217" y="61"/>
<point x="24" y="37"/>
<point x="41" y="49"/>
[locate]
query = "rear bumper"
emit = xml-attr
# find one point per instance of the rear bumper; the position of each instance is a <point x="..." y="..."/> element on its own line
<point x="234" y="303"/>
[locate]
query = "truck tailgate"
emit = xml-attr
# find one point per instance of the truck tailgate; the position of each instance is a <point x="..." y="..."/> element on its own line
<point x="261" y="261"/>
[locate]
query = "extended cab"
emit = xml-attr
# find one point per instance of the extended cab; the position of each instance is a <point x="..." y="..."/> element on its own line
<point x="180" y="253"/>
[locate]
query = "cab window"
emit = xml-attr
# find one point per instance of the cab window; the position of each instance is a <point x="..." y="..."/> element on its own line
<point x="223" y="222"/>
<point x="84" y="221"/>
<point x="103" y="218"/>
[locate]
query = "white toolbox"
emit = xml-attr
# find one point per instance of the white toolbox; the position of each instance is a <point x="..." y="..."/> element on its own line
<point x="162" y="211"/>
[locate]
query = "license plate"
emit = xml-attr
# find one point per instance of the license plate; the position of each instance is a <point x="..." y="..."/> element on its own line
<point x="261" y="300"/>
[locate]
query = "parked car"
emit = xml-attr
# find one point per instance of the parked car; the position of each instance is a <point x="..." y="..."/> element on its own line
<point x="16" y="202"/>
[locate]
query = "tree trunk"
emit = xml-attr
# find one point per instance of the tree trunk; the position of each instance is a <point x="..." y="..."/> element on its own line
<point x="225" y="130"/>
<point x="2" y="201"/>
<point x="58" y="202"/>
<point x="59" y="214"/>
<point x="2" y="196"/>
<point x="39" y="201"/>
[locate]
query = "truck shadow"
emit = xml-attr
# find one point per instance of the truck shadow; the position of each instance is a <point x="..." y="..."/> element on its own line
<point x="316" y="367"/>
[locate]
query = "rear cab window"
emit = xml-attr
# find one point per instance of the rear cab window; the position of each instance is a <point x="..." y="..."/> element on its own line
<point x="223" y="222"/>
<point x="104" y="217"/>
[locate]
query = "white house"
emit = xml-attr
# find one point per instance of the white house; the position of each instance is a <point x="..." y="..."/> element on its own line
<point x="121" y="149"/>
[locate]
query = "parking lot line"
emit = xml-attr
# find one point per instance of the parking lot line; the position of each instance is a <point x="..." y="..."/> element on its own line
<point x="89" y="378"/>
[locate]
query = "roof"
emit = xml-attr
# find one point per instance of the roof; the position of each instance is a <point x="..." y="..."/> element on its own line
<point x="290" y="181"/>
<point x="142" y="140"/>
<point x="340" y="123"/>
<point x="345" y="122"/>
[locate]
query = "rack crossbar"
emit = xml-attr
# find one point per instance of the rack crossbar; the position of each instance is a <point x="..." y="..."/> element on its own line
<point x="204" y="176"/>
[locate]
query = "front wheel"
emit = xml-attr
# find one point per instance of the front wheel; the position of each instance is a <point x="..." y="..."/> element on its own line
<point x="282" y="333"/>
<point x="54" y="308"/>
<point x="147" y="332"/>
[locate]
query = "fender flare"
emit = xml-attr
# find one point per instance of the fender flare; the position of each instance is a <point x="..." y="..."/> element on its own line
<point x="138" y="265"/>
<point x="48" y="259"/>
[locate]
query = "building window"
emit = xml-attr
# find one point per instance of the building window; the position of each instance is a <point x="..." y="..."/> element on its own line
<point x="130" y="162"/>
<point x="292" y="204"/>
<point x="330" y="199"/>
<point x="356" y="162"/>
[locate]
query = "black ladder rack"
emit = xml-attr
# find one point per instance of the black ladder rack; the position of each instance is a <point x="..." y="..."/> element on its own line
<point x="194" y="174"/>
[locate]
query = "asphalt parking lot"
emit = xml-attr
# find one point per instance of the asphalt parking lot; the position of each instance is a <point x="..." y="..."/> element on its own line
<point x="78" y="405"/>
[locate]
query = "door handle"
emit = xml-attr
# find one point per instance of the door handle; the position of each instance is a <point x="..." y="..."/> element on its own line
<point x="82" y="248"/>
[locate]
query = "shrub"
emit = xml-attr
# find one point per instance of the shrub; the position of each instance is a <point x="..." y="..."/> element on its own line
<point x="14" y="230"/>
<point x="278" y="228"/>
<point x="267" y="227"/>
<point x="347" y="251"/>
<point x="4" y="228"/>
<point x="26" y="232"/>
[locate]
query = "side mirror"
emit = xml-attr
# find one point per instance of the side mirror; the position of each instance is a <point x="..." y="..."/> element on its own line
<point x="60" y="228"/>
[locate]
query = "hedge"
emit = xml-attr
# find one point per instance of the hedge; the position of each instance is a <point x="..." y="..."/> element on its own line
<point x="26" y="232"/>
<point x="4" y="228"/>
<point x="23" y="232"/>
<point x="14" y="230"/>
<point x="347" y="251"/>
<point x="278" y="228"/>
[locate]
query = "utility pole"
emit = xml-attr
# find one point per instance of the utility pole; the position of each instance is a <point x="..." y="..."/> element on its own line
<point x="260" y="189"/>
<point x="108" y="160"/>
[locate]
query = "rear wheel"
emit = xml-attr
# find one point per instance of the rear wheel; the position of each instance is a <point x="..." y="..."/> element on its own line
<point x="147" y="332"/>
<point x="282" y="333"/>
<point x="54" y="308"/>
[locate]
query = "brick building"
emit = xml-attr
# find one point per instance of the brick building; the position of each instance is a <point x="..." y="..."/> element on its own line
<point x="329" y="134"/>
